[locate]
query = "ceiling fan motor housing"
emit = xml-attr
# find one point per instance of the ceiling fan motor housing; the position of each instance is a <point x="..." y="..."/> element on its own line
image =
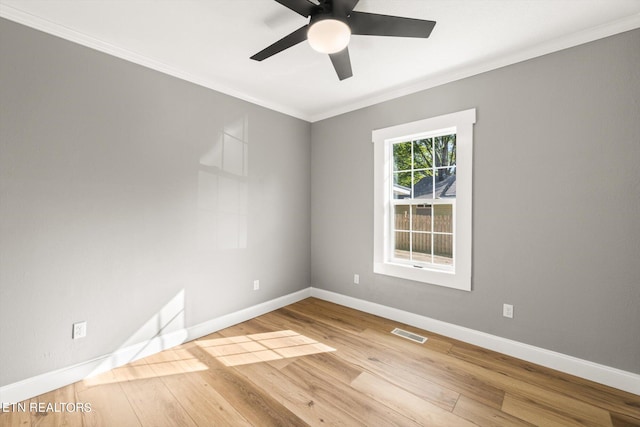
<point x="328" y="32"/>
<point x="325" y="10"/>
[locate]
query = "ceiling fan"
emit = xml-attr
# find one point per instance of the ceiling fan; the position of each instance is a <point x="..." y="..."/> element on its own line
<point x="331" y="24"/>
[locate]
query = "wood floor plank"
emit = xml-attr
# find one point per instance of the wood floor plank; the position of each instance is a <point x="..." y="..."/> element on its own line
<point x="133" y="372"/>
<point x="154" y="404"/>
<point x="406" y="403"/>
<point x="306" y="404"/>
<point x="332" y="313"/>
<point x="417" y="383"/>
<point x="596" y="394"/>
<point x="109" y="406"/>
<point x="267" y="375"/>
<point x="53" y="411"/>
<point x="14" y="416"/>
<point x="484" y="415"/>
<point x="449" y="384"/>
<point x="562" y="404"/>
<point x="169" y="355"/>
<point x="256" y="405"/>
<point x="175" y="365"/>
<point x="96" y="380"/>
<point x="345" y="398"/>
<point x="533" y="411"/>
<point x="620" y="420"/>
<point x="204" y="404"/>
<point x="333" y="365"/>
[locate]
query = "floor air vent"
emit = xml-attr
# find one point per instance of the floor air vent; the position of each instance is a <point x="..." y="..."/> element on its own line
<point x="408" y="335"/>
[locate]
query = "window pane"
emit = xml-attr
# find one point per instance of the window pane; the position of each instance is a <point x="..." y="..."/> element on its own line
<point x="445" y="150"/>
<point x="402" y="156"/>
<point x="423" y="153"/>
<point x="401" y="217"/>
<point x="443" y="216"/>
<point x="402" y="185"/>
<point x="421" y="217"/>
<point x="443" y="249"/>
<point x="401" y="245"/>
<point x="445" y="183"/>
<point x="423" y="184"/>
<point x="421" y="247"/>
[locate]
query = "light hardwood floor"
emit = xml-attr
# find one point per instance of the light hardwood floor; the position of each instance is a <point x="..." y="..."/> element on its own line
<point x="317" y="363"/>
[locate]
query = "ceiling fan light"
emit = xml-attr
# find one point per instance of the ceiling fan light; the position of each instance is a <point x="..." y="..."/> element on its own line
<point x="329" y="35"/>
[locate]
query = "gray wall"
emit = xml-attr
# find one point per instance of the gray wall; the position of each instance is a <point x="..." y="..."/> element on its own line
<point x="556" y="202"/>
<point x="116" y="198"/>
<point x="118" y="191"/>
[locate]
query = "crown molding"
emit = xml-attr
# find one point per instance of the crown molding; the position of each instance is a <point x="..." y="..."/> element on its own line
<point x="74" y="36"/>
<point x="581" y="37"/>
<point x="575" y="39"/>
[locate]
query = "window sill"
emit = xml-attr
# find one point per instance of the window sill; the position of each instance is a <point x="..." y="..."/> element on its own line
<point x="444" y="278"/>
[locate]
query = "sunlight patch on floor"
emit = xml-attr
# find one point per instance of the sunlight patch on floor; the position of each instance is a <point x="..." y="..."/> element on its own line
<point x="159" y="365"/>
<point x="264" y="347"/>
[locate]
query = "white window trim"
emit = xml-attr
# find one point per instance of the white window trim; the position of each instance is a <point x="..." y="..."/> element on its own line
<point x="463" y="122"/>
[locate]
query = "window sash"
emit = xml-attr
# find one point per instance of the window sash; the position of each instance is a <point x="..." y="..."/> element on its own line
<point x="391" y="248"/>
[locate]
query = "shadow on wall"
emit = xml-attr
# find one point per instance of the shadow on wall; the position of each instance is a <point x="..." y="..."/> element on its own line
<point x="223" y="189"/>
<point x="165" y="329"/>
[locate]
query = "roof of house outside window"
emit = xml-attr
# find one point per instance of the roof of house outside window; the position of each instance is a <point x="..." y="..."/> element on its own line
<point x="423" y="189"/>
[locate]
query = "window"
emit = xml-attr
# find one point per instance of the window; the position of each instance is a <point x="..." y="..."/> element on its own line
<point x="422" y="199"/>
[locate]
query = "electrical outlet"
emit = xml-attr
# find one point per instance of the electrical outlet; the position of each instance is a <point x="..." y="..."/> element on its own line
<point x="356" y="279"/>
<point x="256" y="285"/>
<point x="79" y="330"/>
<point x="507" y="310"/>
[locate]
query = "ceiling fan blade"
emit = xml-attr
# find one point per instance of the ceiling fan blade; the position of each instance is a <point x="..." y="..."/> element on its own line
<point x="371" y="24"/>
<point x="342" y="63"/>
<point x="286" y="42"/>
<point x="302" y="7"/>
<point x="344" y="7"/>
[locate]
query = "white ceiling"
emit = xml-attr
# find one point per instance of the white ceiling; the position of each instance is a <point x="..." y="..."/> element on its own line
<point x="209" y="42"/>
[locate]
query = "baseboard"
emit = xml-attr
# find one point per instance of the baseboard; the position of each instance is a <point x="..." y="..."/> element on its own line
<point x="35" y="386"/>
<point x="602" y="374"/>
<point x="243" y="315"/>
